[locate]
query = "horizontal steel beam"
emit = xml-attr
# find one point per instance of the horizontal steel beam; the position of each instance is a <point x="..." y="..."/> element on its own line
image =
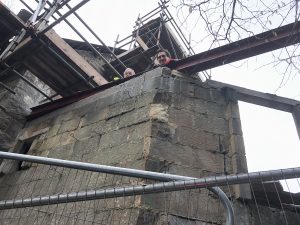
<point x="152" y="188"/>
<point x="258" y="44"/>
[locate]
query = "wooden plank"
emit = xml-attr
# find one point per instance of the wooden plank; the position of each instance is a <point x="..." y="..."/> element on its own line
<point x="259" y="98"/>
<point x="75" y="57"/>
<point x="141" y="43"/>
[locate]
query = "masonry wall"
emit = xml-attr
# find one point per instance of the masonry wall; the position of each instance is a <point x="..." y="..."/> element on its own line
<point x="14" y="107"/>
<point x="153" y="122"/>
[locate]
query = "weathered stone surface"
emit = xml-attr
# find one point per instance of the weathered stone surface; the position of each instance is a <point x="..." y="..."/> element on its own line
<point x="69" y="125"/>
<point x="185" y="156"/>
<point x="14" y="108"/>
<point x="153" y="122"/>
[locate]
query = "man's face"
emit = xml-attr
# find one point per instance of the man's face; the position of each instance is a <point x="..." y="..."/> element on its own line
<point x="162" y="58"/>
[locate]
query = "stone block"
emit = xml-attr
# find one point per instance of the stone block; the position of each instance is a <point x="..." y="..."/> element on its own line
<point x="84" y="147"/>
<point x="239" y="163"/>
<point x="61" y="152"/>
<point x="88" y="131"/>
<point x="95" y="116"/>
<point x="236" y="145"/>
<point x="217" y="96"/>
<point x="196" y="139"/>
<point x="67" y="138"/>
<point x="181" y="117"/>
<point x="135" y="117"/>
<point x="5" y="120"/>
<point x="147" y="217"/>
<point x="69" y="125"/>
<point x="151" y="84"/>
<point x="163" y="131"/>
<point x="34" y="131"/>
<point x="120" y="108"/>
<point x="197" y="204"/>
<point x="187" y="88"/>
<point x="202" y="93"/>
<point x="235" y="126"/>
<point x="196" y="105"/>
<point x="185" y="156"/>
<point x="53" y="130"/>
<point x="51" y="142"/>
<point x="124" y="152"/>
<point x="232" y="110"/>
<point x="136" y="164"/>
<point x="211" y="124"/>
<point x="162" y="98"/>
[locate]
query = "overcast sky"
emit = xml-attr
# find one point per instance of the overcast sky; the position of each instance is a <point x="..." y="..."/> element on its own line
<point x="270" y="136"/>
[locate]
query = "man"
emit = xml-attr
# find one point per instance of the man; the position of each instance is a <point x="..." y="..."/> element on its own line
<point x="163" y="58"/>
<point x="128" y="72"/>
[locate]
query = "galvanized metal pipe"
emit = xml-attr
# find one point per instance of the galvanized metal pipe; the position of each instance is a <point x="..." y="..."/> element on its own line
<point x="26" y="80"/>
<point x="176" y="27"/>
<point x="119" y="171"/>
<point x="34" y="16"/>
<point x="45" y="18"/>
<point x="91" y="46"/>
<point x="151" y="188"/>
<point x="7" y="88"/>
<point x="98" y="38"/>
<point x="64" y="16"/>
<point x="65" y="63"/>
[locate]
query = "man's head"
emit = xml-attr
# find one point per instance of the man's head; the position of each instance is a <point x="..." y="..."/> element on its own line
<point x="128" y="72"/>
<point x="163" y="57"/>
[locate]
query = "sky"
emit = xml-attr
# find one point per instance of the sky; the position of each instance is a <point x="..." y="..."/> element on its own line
<point x="270" y="136"/>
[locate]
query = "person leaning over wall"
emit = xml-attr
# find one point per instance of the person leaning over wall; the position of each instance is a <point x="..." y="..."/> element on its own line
<point x="162" y="58"/>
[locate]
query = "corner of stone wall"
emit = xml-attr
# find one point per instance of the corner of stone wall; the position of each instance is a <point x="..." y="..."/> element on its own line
<point x="237" y="152"/>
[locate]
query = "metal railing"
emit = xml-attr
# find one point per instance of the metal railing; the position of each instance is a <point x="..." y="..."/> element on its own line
<point x="177" y="183"/>
<point x="177" y="197"/>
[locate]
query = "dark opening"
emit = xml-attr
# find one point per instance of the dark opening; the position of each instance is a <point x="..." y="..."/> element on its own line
<point x="24" y="149"/>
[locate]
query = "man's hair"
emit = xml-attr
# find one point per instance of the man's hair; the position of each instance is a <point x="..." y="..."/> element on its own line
<point x="163" y="50"/>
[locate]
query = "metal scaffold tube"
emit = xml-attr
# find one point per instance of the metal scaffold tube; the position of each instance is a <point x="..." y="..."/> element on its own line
<point x="174" y="182"/>
<point x="97" y="37"/>
<point x="87" y="81"/>
<point x="152" y="188"/>
<point x="66" y="63"/>
<point x="63" y="17"/>
<point x="7" y="88"/>
<point x="92" y="47"/>
<point x="26" y="80"/>
<point x="88" y="43"/>
<point x="125" y="172"/>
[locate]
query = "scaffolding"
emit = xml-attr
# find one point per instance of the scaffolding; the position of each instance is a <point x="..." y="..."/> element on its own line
<point x="37" y="41"/>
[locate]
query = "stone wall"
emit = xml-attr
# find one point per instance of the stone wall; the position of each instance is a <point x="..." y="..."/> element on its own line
<point x="153" y="122"/>
<point x="14" y="107"/>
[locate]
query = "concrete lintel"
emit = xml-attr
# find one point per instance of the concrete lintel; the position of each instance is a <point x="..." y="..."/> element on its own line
<point x="259" y="98"/>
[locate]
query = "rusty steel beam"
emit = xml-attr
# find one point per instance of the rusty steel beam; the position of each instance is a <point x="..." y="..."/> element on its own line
<point x="258" y="44"/>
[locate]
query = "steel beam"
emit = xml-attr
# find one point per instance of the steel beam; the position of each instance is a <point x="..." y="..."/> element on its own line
<point x="258" y="44"/>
